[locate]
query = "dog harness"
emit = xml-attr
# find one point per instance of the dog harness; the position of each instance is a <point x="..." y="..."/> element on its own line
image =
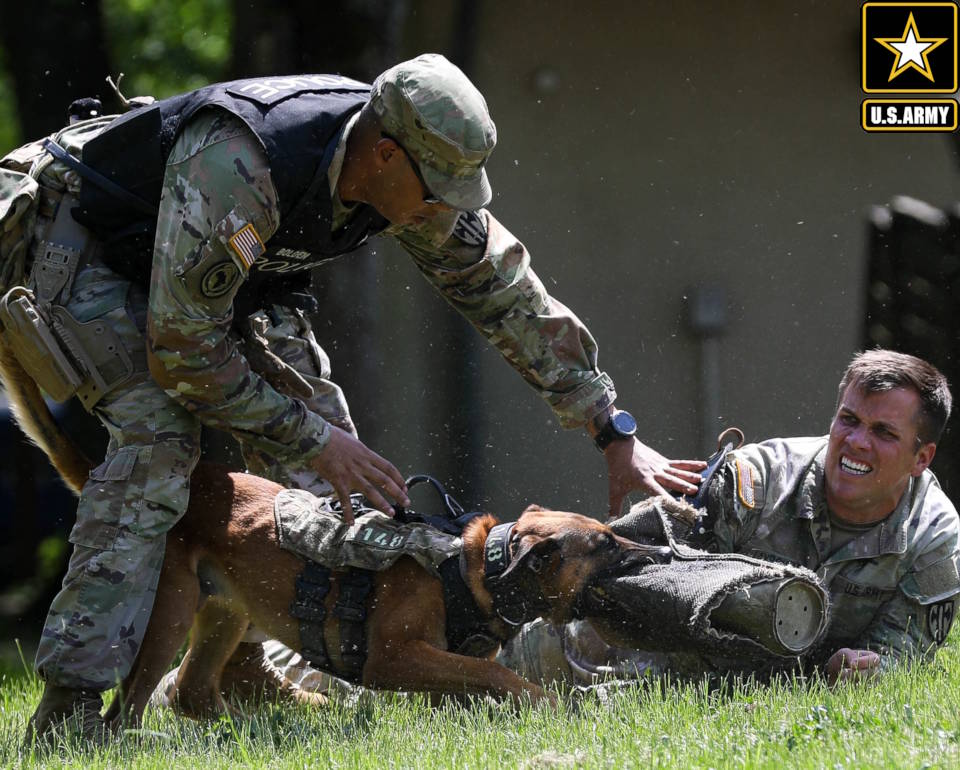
<point x="468" y="630"/>
<point x="350" y="610"/>
<point x="516" y="598"/>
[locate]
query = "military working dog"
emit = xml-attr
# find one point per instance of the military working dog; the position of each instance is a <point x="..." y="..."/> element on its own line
<point x="228" y="538"/>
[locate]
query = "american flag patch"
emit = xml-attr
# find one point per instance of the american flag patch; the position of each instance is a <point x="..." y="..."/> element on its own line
<point x="247" y="244"/>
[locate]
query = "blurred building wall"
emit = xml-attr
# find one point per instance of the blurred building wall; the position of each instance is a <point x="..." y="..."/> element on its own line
<point x="645" y="150"/>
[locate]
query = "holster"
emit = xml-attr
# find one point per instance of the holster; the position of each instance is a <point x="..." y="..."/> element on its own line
<point x="63" y="356"/>
<point x="28" y="332"/>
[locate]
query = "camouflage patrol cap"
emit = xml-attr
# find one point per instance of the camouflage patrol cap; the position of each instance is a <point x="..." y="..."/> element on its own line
<point x="431" y="108"/>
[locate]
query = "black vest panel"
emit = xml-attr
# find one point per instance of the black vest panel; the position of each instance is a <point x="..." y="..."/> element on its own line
<point x="299" y="120"/>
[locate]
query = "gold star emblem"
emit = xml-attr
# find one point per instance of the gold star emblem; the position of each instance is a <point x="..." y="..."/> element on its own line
<point x="911" y="50"/>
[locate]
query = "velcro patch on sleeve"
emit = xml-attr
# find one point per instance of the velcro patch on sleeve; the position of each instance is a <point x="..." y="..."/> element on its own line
<point x="247" y="245"/>
<point x="746" y="491"/>
<point x="471" y="229"/>
<point x="938" y="579"/>
<point x="939" y="620"/>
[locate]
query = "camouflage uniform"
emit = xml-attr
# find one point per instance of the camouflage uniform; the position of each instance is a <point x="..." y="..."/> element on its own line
<point x="203" y="366"/>
<point x="894" y="586"/>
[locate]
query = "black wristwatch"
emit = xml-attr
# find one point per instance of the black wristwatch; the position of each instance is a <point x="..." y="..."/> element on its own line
<point x="619" y="427"/>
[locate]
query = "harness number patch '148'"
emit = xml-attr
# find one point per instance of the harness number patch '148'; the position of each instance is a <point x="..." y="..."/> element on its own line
<point x="389" y="539"/>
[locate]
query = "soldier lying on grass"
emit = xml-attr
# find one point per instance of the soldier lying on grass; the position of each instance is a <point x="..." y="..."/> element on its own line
<point x="859" y="507"/>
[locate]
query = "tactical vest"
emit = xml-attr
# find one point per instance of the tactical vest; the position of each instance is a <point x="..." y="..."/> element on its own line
<point x="298" y="119"/>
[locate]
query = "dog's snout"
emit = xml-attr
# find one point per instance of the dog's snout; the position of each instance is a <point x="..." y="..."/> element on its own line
<point x="640" y="555"/>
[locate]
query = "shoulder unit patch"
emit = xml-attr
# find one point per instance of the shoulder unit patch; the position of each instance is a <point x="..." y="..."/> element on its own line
<point x="939" y="619"/>
<point x="471" y="229"/>
<point x="247" y="245"/>
<point x="219" y="279"/>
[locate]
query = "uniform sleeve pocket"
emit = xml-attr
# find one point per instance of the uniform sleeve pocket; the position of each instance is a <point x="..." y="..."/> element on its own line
<point x="168" y="482"/>
<point x="117" y="466"/>
<point x="91" y="533"/>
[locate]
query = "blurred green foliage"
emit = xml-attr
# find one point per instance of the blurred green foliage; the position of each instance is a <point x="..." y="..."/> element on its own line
<point x="9" y="121"/>
<point x="164" y="47"/>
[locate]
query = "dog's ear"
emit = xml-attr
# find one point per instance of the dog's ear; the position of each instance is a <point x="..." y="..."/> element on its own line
<point x="533" y="507"/>
<point x="532" y="552"/>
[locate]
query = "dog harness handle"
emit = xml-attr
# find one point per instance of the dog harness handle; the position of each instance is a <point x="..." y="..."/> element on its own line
<point x="453" y="519"/>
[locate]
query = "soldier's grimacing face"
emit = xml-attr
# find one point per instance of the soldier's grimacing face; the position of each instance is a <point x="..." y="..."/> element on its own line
<point x="872" y="452"/>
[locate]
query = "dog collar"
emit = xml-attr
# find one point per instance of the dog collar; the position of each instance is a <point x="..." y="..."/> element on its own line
<point x="496" y="551"/>
<point x="515" y="600"/>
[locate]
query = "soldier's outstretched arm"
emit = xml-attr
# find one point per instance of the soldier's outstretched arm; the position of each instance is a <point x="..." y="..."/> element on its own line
<point x="634" y="466"/>
<point x="902" y="630"/>
<point x="218" y="206"/>
<point x="484" y="272"/>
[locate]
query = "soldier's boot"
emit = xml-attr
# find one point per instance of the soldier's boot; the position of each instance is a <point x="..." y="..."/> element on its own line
<point x="69" y="710"/>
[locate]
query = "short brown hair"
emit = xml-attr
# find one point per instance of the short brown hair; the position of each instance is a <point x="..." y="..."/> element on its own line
<point x="878" y="370"/>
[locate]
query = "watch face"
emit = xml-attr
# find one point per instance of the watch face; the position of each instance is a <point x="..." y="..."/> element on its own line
<point x="624" y="424"/>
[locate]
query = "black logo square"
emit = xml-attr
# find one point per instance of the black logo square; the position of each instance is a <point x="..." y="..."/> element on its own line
<point x="909" y="48"/>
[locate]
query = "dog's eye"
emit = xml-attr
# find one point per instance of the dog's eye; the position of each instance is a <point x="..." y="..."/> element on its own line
<point x="535" y="563"/>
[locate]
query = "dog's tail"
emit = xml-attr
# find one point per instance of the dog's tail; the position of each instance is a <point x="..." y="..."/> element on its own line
<point x="35" y="419"/>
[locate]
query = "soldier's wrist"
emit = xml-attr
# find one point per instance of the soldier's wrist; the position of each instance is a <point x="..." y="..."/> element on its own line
<point x="318" y="435"/>
<point x="614" y="426"/>
<point x="601" y="418"/>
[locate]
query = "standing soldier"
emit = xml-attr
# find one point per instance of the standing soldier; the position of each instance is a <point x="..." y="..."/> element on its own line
<point x="169" y="269"/>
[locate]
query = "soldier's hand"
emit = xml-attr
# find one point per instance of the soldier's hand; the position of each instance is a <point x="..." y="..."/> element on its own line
<point x="350" y="466"/>
<point x="847" y="665"/>
<point x="633" y="466"/>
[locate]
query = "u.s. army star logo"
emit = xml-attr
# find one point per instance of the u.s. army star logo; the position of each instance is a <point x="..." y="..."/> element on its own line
<point x="940" y="618"/>
<point x="219" y="279"/>
<point x="909" y="47"/>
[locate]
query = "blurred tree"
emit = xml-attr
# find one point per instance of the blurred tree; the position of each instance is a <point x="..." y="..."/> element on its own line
<point x="9" y="122"/>
<point x="168" y="46"/>
<point x="54" y="53"/>
<point x="358" y="38"/>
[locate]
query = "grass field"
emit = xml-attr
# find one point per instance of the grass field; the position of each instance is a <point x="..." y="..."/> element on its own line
<point x="909" y="719"/>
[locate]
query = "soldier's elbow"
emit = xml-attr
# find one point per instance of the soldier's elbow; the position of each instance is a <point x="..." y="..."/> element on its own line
<point x="159" y="372"/>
